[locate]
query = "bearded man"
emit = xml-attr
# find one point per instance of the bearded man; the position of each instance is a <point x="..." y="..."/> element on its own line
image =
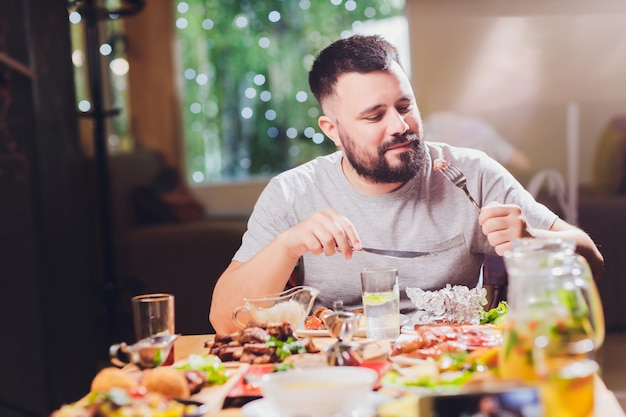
<point x="379" y="190"/>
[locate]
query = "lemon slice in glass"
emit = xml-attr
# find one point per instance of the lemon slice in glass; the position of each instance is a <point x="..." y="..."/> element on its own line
<point x="377" y="299"/>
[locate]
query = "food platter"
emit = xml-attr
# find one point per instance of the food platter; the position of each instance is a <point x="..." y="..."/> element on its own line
<point x="302" y="332"/>
<point x="403" y="360"/>
<point x="433" y="340"/>
<point x="443" y="358"/>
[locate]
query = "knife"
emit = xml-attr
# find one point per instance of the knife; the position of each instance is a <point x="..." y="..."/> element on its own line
<point x="397" y="253"/>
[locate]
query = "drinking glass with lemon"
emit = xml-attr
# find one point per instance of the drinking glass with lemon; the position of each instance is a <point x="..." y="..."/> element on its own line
<point x="381" y="303"/>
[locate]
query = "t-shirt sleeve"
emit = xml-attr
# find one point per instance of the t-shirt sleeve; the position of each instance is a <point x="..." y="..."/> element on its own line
<point x="270" y="217"/>
<point x="502" y="187"/>
<point x="498" y="185"/>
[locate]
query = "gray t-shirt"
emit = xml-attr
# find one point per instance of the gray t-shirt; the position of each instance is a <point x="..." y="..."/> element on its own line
<point x="428" y="213"/>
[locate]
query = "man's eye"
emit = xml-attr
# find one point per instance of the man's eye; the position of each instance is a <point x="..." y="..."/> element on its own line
<point x="374" y="118"/>
<point x="404" y="109"/>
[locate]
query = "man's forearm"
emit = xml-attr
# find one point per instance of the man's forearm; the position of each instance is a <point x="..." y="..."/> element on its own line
<point x="265" y="273"/>
<point x="584" y="244"/>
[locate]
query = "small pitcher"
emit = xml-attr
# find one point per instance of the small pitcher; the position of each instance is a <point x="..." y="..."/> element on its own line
<point x="343" y="325"/>
<point x="551" y="293"/>
<point x="292" y="306"/>
<point x="146" y="353"/>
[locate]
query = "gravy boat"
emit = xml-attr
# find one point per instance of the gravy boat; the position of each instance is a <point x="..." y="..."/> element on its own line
<point x="146" y="353"/>
<point x="292" y="306"/>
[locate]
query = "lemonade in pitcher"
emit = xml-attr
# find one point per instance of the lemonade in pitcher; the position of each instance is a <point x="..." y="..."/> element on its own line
<point x="566" y="380"/>
<point x="551" y="294"/>
<point x="568" y="395"/>
<point x="515" y="360"/>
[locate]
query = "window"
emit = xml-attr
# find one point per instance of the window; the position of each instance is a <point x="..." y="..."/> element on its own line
<point x="113" y="82"/>
<point x="246" y="106"/>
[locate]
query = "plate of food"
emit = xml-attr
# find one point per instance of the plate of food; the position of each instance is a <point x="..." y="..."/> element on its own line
<point x="476" y="344"/>
<point x="129" y="403"/>
<point x="442" y="371"/>
<point x="260" y="343"/>
<point x="450" y="337"/>
<point x="314" y="325"/>
<point x="173" y="390"/>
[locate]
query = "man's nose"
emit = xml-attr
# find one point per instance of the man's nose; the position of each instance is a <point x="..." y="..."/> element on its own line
<point x="397" y="123"/>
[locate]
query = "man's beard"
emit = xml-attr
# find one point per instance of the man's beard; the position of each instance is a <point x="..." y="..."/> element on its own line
<point x="377" y="169"/>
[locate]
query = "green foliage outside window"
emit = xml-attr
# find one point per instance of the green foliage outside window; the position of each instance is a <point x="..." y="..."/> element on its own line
<point x="246" y="106"/>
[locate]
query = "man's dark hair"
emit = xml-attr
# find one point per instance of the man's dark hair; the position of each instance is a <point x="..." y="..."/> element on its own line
<point x="358" y="53"/>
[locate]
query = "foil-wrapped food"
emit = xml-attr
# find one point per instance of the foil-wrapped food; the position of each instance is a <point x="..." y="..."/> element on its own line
<point x="452" y="304"/>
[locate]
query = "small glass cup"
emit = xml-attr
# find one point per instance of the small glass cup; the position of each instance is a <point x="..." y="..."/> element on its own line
<point x="153" y="315"/>
<point x="381" y="303"/>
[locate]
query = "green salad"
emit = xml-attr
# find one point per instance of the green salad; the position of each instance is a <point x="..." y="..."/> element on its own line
<point x="210" y="364"/>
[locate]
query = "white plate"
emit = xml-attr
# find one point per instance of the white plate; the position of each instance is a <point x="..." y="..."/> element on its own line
<point x="262" y="408"/>
<point x="404" y="320"/>
<point x="422" y="390"/>
<point x="407" y="388"/>
<point x="324" y="333"/>
<point x="408" y="327"/>
<point x="406" y="361"/>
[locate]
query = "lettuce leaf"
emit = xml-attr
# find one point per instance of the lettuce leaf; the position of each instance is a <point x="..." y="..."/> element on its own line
<point x="496" y="315"/>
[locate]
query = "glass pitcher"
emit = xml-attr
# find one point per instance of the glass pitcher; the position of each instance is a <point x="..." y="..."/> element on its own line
<point x="551" y="293"/>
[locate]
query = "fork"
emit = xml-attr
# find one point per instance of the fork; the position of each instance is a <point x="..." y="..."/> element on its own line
<point x="457" y="178"/>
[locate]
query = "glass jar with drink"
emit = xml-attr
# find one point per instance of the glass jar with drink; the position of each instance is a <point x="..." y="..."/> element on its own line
<point x="554" y="324"/>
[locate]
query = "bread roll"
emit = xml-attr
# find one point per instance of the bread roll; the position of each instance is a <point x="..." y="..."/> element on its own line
<point x="167" y="381"/>
<point x="112" y="377"/>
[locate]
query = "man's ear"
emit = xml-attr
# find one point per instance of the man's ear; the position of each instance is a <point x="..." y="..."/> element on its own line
<point x="329" y="128"/>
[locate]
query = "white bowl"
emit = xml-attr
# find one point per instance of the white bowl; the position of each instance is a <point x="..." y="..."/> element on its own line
<point x="320" y="392"/>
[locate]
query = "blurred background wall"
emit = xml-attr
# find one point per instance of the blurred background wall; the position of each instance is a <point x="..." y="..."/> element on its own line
<point x="517" y="65"/>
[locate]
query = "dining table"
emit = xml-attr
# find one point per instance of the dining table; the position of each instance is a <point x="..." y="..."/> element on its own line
<point x="605" y="402"/>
